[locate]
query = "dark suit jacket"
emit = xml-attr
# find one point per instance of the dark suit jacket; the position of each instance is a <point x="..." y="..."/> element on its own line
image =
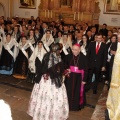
<point x="114" y="48"/>
<point x="42" y="31"/>
<point x="109" y="46"/>
<point x="97" y="60"/>
<point x="75" y="41"/>
<point x="38" y="38"/>
<point x="104" y="32"/>
<point x="93" y="37"/>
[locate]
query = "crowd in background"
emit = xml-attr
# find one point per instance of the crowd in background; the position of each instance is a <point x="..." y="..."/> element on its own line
<point x="23" y="44"/>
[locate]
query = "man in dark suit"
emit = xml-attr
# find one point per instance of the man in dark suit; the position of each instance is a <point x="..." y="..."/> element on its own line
<point x="89" y="34"/>
<point x="112" y="46"/>
<point x="78" y="39"/>
<point x="113" y="50"/>
<point x="43" y="28"/>
<point x="66" y="29"/>
<point x="97" y="58"/>
<point x="86" y="28"/>
<point x="104" y="30"/>
<point x="38" y="36"/>
<point x="93" y="30"/>
<point x="30" y="21"/>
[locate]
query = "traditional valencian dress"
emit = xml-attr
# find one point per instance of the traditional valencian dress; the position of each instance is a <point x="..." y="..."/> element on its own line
<point x="35" y="62"/>
<point x="66" y="47"/>
<point x="84" y="48"/>
<point x="74" y="86"/>
<point x="113" y="100"/>
<point x="47" y="41"/>
<point x="8" y="56"/>
<point x="32" y="41"/>
<point x="21" y="64"/>
<point x="49" y="99"/>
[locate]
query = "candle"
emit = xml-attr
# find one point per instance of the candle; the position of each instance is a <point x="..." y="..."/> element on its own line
<point x="51" y="13"/>
<point x="74" y="15"/>
<point x="81" y="16"/>
<point x="48" y="13"/>
<point x="78" y="16"/>
<point x="45" y="13"/>
<point x="91" y="17"/>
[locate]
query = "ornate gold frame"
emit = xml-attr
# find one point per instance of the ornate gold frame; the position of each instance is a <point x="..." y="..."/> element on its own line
<point x="111" y="7"/>
<point x="27" y="5"/>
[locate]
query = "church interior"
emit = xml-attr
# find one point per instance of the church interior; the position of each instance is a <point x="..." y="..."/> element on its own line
<point x="16" y="92"/>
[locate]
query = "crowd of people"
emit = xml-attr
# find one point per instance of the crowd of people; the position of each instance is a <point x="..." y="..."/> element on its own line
<point x="63" y="61"/>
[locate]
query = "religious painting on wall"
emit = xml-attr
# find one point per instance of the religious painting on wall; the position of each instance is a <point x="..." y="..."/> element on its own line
<point x="30" y="4"/>
<point x="112" y="6"/>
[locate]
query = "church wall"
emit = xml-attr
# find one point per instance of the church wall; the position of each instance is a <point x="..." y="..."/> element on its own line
<point x="6" y="6"/>
<point x="109" y="19"/>
<point x="25" y="13"/>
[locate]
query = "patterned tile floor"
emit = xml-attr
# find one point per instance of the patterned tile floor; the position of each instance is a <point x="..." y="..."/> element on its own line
<point x="17" y="93"/>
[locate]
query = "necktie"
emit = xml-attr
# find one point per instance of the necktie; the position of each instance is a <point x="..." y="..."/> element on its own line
<point x="97" y="48"/>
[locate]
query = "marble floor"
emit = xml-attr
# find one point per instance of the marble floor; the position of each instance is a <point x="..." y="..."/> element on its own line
<point x="17" y="92"/>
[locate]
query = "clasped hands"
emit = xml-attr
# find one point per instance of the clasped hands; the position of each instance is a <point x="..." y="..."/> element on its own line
<point x="67" y="73"/>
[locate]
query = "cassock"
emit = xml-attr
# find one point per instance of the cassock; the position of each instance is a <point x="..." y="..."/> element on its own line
<point x="74" y="86"/>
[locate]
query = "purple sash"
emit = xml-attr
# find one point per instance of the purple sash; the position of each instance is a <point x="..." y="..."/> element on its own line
<point x="75" y="69"/>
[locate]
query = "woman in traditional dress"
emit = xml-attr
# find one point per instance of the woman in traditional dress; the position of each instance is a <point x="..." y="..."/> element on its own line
<point x="76" y="70"/>
<point x="21" y="64"/>
<point x="54" y="33"/>
<point x="71" y="36"/>
<point x="35" y="61"/>
<point x="85" y="43"/>
<point x="67" y="45"/>
<point x="16" y="33"/>
<point x="49" y="99"/>
<point x="59" y="34"/>
<point x="47" y="39"/>
<point x="8" y="55"/>
<point x="113" y="100"/>
<point x="9" y="29"/>
<point x="31" y="37"/>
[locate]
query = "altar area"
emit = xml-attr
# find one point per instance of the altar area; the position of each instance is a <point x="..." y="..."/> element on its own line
<point x="70" y="11"/>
